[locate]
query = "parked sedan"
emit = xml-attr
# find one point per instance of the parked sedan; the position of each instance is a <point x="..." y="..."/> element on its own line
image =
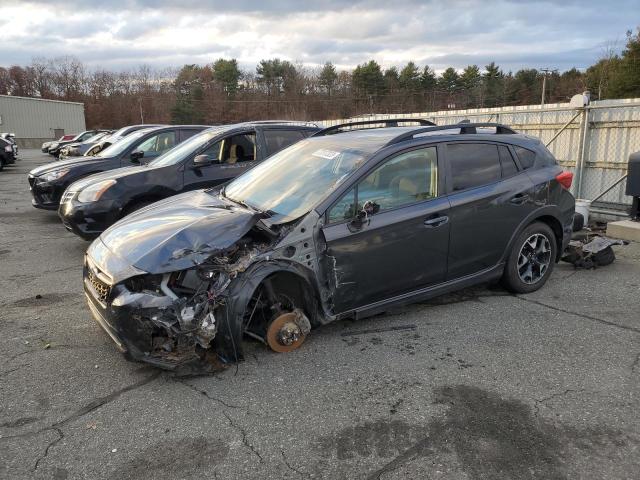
<point x="212" y="157"/>
<point x="48" y="182"/>
<point x="55" y="147"/>
<point x="343" y="224"/>
<point x="64" y="138"/>
<point x="80" y="148"/>
<point x="7" y="152"/>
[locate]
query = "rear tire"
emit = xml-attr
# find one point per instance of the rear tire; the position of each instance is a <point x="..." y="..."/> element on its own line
<point x="531" y="260"/>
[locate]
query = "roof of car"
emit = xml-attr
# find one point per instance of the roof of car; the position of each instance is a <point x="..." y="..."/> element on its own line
<point x="371" y="139"/>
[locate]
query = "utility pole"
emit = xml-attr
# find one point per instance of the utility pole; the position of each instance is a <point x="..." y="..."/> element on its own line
<point x="141" y="115"/>
<point x="545" y="72"/>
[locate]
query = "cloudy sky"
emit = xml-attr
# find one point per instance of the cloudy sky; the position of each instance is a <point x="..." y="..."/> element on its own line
<point x="122" y="34"/>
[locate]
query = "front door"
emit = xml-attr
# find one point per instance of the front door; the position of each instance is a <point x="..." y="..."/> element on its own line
<point x="401" y="244"/>
<point x="230" y="157"/>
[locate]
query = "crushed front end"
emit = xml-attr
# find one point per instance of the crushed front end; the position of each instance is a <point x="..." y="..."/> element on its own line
<point x="170" y="320"/>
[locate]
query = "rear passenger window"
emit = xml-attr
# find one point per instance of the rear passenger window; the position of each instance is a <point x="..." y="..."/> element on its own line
<point x="278" y="139"/>
<point x="508" y="165"/>
<point x="473" y="164"/>
<point x="527" y="157"/>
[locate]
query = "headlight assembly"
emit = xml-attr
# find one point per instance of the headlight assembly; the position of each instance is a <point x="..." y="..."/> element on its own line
<point x="54" y="175"/>
<point x="92" y="193"/>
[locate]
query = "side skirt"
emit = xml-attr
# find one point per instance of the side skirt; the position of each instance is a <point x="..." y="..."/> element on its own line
<point x="486" y="275"/>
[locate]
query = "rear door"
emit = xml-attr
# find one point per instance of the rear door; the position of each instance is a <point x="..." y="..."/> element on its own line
<point x="230" y="156"/>
<point x="489" y="198"/>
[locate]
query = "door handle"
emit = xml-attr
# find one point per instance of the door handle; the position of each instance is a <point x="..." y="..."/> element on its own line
<point x="436" y="222"/>
<point x="519" y="199"/>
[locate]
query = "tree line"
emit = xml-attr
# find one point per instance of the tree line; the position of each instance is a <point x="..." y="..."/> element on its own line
<point x="222" y="92"/>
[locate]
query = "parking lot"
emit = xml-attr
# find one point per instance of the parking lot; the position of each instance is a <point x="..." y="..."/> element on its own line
<point x="477" y="384"/>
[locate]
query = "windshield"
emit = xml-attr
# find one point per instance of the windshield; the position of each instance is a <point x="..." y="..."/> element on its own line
<point x="188" y="147"/>
<point x="120" y="146"/>
<point x="292" y="181"/>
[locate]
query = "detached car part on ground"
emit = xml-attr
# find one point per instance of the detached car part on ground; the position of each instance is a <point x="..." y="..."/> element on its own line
<point x="48" y="182"/>
<point x="207" y="159"/>
<point x="343" y="224"/>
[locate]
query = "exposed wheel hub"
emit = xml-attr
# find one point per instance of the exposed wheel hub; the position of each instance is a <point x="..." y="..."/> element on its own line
<point x="288" y="331"/>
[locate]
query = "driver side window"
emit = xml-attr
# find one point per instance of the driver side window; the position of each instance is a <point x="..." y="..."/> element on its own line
<point x="158" y="143"/>
<point x="407" y="178"/>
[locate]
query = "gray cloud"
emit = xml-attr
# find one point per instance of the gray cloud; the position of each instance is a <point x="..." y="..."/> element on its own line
<point x="513" y="33"/>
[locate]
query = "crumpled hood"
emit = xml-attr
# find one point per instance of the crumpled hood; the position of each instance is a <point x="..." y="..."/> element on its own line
<point x="99" y="177"/>
<point x="49" y="167"/>
<point x="176" y="233"/>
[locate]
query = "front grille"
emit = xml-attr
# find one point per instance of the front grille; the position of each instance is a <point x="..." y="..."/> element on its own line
<point x="100" y="288"/>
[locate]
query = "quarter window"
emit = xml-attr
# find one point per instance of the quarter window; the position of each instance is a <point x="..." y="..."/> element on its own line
<point x="405" y="179"/>
<point x="527" y="157"/>
<point x="473" y="164"/>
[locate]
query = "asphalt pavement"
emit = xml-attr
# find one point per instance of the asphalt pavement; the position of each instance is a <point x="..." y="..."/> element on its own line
<point x="479" y="384"/>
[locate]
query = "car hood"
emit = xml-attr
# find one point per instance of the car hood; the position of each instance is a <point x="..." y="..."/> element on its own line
<point x="108" y="175"/>
<point x="173" y="234"/>
<point x="50" y="167"/>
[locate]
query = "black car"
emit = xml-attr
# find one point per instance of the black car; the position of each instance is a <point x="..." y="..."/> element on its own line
<point x="212" y="157"/>
<point x="48" y="182"/>
<point x="8" y="152"/>
<point x="342" y="224"/>
<point x="55" y="147"/>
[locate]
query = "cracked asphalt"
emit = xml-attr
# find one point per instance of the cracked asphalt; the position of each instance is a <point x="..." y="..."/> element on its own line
<point x="479" y="384"/>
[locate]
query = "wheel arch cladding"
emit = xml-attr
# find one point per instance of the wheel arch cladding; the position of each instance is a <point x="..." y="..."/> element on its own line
<point x="228" y="342"/>
<point x="547" y="215"/>
<point x="556" y="227"/>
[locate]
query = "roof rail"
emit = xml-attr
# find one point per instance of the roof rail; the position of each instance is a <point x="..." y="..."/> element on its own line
<point x="465" y="127"/>
<point x="388" y="122"/>
<point x="276" y="122"/>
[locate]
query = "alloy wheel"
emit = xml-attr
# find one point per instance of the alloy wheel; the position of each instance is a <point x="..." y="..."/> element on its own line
<point x="534" y="258"/>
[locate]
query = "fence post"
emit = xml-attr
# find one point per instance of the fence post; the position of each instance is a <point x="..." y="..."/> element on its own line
<point x="582" y="151"/>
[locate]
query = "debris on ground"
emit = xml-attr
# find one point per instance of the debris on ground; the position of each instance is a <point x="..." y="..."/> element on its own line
<point x="590" y="249"/>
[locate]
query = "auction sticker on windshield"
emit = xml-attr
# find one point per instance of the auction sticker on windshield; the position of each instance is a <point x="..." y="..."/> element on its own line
<point x="324" y="153"/>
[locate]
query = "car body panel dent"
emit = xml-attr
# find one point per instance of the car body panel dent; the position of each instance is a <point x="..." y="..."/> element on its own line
<point x="178" y="233"/>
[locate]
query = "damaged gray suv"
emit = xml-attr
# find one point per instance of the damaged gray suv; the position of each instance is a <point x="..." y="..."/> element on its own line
<point x="356" y="219"/>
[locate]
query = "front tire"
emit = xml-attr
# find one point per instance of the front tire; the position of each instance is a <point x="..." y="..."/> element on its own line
<point x="531" y="260"/>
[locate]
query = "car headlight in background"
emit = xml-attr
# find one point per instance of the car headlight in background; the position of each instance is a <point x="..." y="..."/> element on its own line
<point x="55" y="175"/>
<point x="8" y="148"/>
<point x="93" y="192"/>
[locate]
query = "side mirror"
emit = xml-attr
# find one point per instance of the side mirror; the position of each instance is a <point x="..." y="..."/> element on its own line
<point x="369" y="208"/>
<point x="136" y="156"/>
<point x="202" y="161"/>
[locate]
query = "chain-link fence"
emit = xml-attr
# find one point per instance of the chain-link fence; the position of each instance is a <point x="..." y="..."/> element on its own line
<point x="594" y="142"/>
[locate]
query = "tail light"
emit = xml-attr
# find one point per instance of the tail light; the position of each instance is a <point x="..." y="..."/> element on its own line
<point x="565" y="179"/>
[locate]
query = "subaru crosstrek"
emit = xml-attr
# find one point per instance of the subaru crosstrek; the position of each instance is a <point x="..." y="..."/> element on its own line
<point x="347" y="223"/>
